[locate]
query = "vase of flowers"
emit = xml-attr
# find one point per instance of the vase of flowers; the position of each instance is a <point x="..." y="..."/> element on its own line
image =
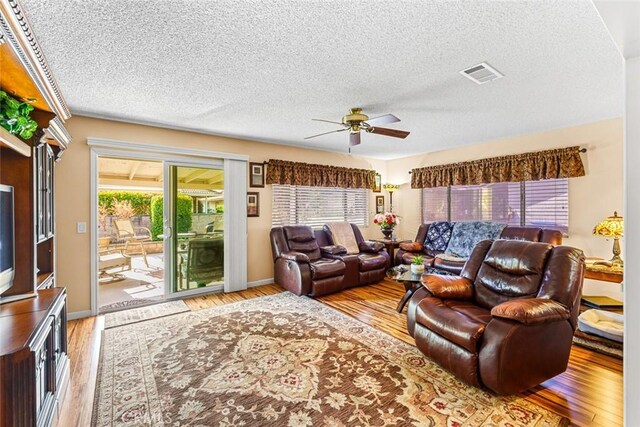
<point x="386" y="221"/>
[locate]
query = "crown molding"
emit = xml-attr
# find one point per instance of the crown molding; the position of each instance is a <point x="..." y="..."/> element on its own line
<point x="16" y="31"/>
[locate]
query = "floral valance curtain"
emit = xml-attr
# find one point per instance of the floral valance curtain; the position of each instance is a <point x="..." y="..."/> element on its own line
<point x="549" y="164"/>
<point x="295" y="173"/>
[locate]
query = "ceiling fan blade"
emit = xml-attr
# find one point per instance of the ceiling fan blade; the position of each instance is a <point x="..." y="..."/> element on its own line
<point x="328" y="121"/>
<point x="389" y="132"/>
<point x="383" y="120"/>
<point x="326" y="133"/>
<point x="354" y="139"/>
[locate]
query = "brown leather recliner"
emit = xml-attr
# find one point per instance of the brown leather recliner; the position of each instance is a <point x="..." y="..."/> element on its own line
<point x="368" y="266"/>
<point x="507" y="322"/>
<point x="300" y="266"/>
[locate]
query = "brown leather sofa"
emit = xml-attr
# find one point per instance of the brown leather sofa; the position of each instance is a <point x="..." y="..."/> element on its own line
<point x="306" y="263"/>
<point x="368" y="266"/>
<point x="436" y="259"/>
<point x="507" y="322"/>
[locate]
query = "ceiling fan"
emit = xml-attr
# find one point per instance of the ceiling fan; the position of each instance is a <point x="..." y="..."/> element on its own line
<point x="356" y="121"/>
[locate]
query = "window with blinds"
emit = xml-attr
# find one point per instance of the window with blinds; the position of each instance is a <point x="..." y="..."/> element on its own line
<point x="532" y="203"/>
<point x="315" y="206"/>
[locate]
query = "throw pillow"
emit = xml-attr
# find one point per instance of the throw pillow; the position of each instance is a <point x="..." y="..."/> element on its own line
<point x="466" y="235"/>
<point x="411" y="246"/>
<point x="438" y="235"/>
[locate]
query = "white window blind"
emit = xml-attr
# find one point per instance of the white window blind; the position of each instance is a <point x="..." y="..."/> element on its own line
<point x="315" y="206"/>
<point x="435" y="204"/>
<point x="547" y="204"/>
<point x="533" y="203"/>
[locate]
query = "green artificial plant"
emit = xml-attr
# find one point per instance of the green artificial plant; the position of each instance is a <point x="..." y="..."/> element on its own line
<point x="15" y="116"/>
<point x="418" y="260"/>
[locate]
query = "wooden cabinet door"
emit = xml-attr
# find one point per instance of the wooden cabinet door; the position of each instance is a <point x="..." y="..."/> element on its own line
<point x="40" y="172"/>
<point x="59" y="325"/>
<point x="44" y="375"/>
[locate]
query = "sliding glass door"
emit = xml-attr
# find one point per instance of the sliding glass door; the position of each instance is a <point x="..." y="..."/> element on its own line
<point x="194" y="228"/>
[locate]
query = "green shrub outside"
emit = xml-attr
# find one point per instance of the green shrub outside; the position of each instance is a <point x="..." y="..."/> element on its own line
<point x="183" y="219"/>
<point x="140" y="202"/>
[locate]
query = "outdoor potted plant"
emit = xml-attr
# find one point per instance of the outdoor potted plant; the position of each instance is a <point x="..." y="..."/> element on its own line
<point x="386" y="221"/>
<point x="417" y="265"/>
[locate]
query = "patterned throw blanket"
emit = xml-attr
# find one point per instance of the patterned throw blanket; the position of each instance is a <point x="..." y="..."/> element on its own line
<point x="343" y="235"/>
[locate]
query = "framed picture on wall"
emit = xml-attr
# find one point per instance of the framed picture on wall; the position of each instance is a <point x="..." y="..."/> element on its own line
<point x="378" y="184"/>
<point x="256" y="175"/>
<point x="253" y="204"/>
<point x="379" y="204"/>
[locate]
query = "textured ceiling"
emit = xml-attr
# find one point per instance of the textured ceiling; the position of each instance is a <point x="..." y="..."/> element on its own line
<point x="262" y="69"/>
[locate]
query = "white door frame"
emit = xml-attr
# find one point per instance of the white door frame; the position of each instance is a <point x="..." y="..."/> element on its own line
<point x="143" y="151"/>
<point x="169" y="250"/>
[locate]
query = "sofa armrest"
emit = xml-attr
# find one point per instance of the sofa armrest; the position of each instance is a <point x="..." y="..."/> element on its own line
<point x="531" y="311"/>
<point x="333" y="250"/>
<point x="295" y="256"/>
<point x="449" y="287"/>
<point x="371" y="247"/>
<point x="414" y="247"/>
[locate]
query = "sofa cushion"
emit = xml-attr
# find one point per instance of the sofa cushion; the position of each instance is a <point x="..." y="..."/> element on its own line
<point x="407" y="258"/>
<point x="438" y="235"/>
<point x="370" y="262"/>
<point x="300" y="238"/>
<point x="325" y="267"/>
<point x="411" y="246"/>
<point x="452" y="322"/>
<point x="466" y="235"/>
<point x="511" y="269"/>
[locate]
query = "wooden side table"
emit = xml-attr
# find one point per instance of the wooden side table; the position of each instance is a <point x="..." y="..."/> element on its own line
<point x="604" y="273"/>
<point x="390" y="246"/>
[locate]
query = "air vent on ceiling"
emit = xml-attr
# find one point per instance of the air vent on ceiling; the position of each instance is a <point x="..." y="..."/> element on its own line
<point x="481" y="73"/>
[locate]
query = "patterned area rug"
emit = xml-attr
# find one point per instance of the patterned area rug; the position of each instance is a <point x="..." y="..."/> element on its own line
<point x="599" y="344"/>
<point x="284" y="360"/>
<point x="134" y="315"/>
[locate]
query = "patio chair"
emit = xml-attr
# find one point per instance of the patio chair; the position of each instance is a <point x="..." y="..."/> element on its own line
<point x="111" y="259"/>
<point x="205" y="261"/>
<point x="131" y="236"/>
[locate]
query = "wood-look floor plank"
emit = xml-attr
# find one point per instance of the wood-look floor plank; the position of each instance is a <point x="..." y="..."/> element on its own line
<point x="589" y="392"/>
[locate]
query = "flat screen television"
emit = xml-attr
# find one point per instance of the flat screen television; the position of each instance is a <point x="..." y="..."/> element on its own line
<point x="7" y="238"/>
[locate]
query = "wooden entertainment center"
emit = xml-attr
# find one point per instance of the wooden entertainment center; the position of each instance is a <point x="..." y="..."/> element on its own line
<point x="34" y="366"/>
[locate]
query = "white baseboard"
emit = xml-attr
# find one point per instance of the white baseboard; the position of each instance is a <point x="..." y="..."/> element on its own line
<point x="79" y="315"/>
<point x="260" y="282"/>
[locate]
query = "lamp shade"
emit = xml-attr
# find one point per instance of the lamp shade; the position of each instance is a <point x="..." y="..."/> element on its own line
<point x="611" y="226"/>
<point x="391" y="187"/>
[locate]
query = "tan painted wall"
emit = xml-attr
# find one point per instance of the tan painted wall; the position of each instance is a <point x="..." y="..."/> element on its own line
<point x="591" y="198"/>
<point x="73" y="193"/>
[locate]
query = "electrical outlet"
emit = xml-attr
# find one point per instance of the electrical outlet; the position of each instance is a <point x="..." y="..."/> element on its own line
<point x="81" y="227"/>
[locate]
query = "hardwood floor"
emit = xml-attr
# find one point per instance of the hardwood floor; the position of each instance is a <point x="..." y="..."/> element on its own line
<point x="589" y="392"/>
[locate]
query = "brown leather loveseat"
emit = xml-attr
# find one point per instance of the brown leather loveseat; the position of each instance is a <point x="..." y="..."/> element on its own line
<point x="369" y="265"/>
<point x="507" y="322"/>
<point x="307" y="263"/>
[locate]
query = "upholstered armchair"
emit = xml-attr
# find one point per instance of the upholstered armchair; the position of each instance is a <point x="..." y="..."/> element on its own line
<point x="300" y="266"/>
<point x="507" y="322"/>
